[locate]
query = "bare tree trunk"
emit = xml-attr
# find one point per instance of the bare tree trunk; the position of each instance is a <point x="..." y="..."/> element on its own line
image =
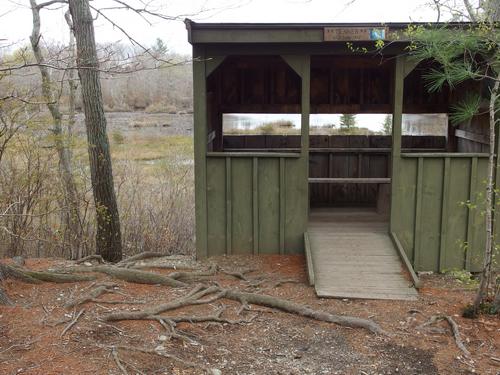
<point x="108" y="235"/>
<point x="490" y="244"/>
<point x="71" y="209"/>
<point x="72" y="81"/>
<point x="471" y="11"/>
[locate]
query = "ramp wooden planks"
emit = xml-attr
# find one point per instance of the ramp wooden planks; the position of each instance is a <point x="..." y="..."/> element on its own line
<point x="353" y="256"/>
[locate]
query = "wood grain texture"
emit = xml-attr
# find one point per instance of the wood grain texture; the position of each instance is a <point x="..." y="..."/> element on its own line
<point x="438" y="229"/>
<point x="200" y="149"/>
<point x="242" y="206"/>
<point x="354" y="257"/>
<point x="397" y="120"/>
<point x="269" y="205"/>
<point x="216" y="207"/>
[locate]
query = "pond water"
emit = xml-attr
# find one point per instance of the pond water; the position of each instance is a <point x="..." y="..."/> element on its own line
<point x="414" y="124"/>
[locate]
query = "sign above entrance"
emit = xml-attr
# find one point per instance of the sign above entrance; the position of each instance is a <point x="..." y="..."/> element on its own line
<point x="344" y="34"/>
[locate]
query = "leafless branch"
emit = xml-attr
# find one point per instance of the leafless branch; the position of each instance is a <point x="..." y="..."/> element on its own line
<point x="49" y="3"/>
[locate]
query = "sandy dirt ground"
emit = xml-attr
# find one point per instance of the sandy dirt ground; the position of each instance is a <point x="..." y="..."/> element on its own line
<point x="267" y="342"/>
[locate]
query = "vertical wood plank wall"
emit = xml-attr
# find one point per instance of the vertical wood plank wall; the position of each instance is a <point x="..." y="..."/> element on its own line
<point x="440" y="223"/>
<point x="436" y="201"/>
<point x="256" y="205"/>
<point x="253" y="203"/>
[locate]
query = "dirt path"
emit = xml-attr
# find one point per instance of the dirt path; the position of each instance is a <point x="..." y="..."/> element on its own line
<point x="272" y="343"/>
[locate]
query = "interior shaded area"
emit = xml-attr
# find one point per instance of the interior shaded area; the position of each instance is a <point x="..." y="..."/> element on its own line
<point x="249" y="84"/>
<point x="345" y="170"/>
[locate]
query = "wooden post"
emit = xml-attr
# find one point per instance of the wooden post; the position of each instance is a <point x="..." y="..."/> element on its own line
<point x="305" y="117"/>
<point x="397" y="119"/>
<point x="305" y="106"/>
<point x="200" y="149"/>
<point x="451" y="139"/>
<point x="301" y="64"/>
<point x="211" y="64"/>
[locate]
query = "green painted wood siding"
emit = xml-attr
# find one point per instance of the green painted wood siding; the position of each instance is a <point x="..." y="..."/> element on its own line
<point x="256" y="205"/>
<point x="437" y="228"/>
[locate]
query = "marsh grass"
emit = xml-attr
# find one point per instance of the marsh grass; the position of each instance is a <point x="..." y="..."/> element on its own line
<point x="154" y="183"/>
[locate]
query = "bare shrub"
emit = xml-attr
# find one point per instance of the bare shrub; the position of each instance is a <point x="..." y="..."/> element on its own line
<point x="28" y="200"/>
<point x="155" y="198"/>
<point x="157" y="209"/>
<point x="161" y="108"/>
<point x="118" y="137"/>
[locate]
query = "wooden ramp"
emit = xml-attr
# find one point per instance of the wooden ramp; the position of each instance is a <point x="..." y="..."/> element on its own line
<point x="353" y="256"/>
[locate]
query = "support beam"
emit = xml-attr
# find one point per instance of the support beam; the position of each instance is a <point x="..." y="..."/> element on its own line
<point x="305" y="107"/>
<point x="200" y="149"/>
<point x="410" y="65"/>
<point x="301" y="64"/>
<point x="296" y="62"/>
<point x="397" y="119"/>
<point x="213" y="63"/>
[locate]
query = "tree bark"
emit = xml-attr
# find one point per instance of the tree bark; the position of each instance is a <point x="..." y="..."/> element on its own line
<point x="470" y="10"/>
<point x="108" y="234"/>
<point x="72" y="81"/>
<point x="71" y="212"/>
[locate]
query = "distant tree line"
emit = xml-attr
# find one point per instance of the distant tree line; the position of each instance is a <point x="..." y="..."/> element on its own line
<point x="131" y="80"/>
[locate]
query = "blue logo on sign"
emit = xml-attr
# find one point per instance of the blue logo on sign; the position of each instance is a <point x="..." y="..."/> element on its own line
<point x="377" y="34"/>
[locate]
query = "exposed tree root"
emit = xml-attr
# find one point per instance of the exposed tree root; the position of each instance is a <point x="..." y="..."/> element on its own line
<point x="52" y="277"/>
<point x="118" y="362"/>
<point x="4" y="299"/>
<point x="141" y="266"/>
<point x="216" y="317"/>
<point x="192" y="298"/>
<point x="164" y="354"/>
<point x="36" y="277"/>
<point x="454" y="328"/>
<point x="130" y="275"/>
<point x="7" y="271"/>
<point x="89" y="258"/>
<point x="92" y="295"/>
<point x="197" y="296"/>
<point x="124" y="302"/>
<point x="170" y="322"/>
<point x="239" y="275"/>
<point x="140" y="256"/>
<point x="298" y="309"/>
<point x="189" y="276"/>
<point x="73" y="322"/>
<point x="213" y="293"/>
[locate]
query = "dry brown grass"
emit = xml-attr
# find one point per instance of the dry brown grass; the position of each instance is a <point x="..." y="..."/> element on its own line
<point x="154" y="185"/>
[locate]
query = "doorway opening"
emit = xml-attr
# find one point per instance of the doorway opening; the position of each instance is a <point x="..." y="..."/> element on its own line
<point x="350" y="154"/>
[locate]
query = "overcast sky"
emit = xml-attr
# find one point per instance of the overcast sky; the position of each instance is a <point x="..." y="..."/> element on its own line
<point x="15" y="17"/>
